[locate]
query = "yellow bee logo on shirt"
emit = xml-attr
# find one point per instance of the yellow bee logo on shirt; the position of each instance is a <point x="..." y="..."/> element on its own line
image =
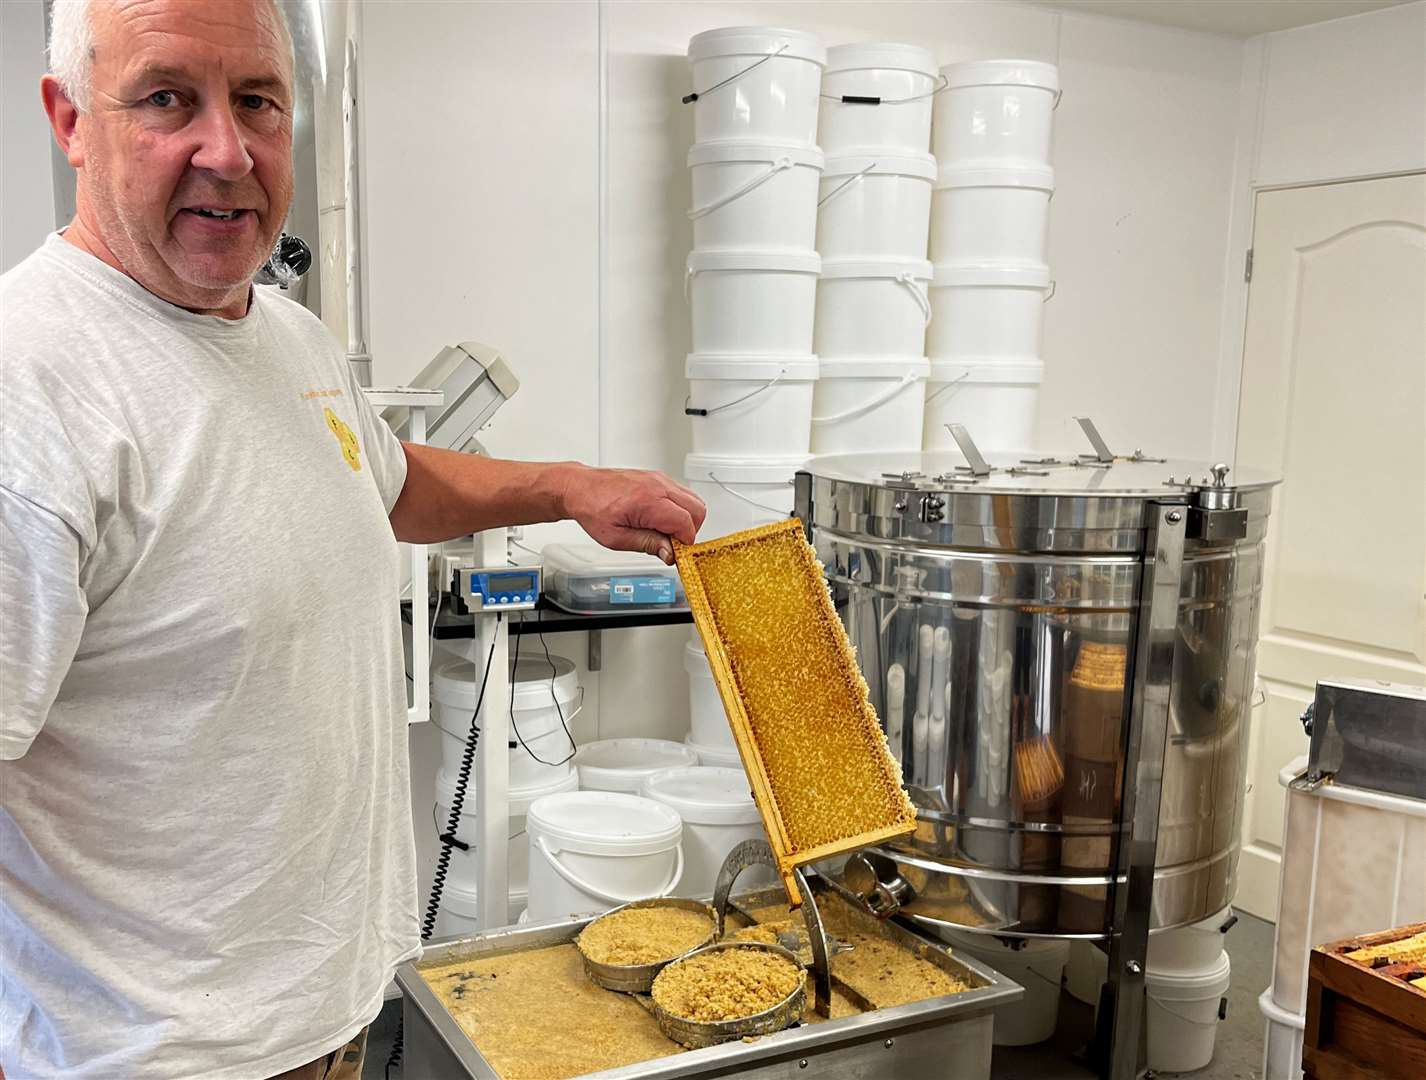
<point x="351" y="449"/>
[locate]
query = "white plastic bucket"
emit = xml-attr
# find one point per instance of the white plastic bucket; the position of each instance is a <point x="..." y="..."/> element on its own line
<point x="464" y="866"/>
<point x="873" y="307"/>
<point x="1085" y="972"/>
<point x="1282" y="1042"/>
<point x="754" y="195"/>
<point x="996" y="109"/>
<point x="594" y="850"/>
<point x="742" y="406"/>
<point x="996" y="216"/>
<point x="543" y="751"/>
<point x="754" y="302"/>
<point x="1182" y="1015"/>
<point x="875" y="206"/>
<point x="1353" y="861"/>
<point x="718" y="814"/>
<point x="983" y="312"/>
<point x="1037" y="966"/>
<point x="715" y="756"/>
<point x="869" y="405"/>
<point x="624" y="764"/>
<point x="902" y="78"/>
<point x="997" y="401"/>
<point x="1195" y="947"/>
<point x="709" y="721"/>
<point x="755" y="84"/>
<point x="741" y="493"/>
<point x="459" y="913"/>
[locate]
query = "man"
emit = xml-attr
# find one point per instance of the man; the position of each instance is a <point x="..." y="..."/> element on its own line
<point x="206" y="856"/>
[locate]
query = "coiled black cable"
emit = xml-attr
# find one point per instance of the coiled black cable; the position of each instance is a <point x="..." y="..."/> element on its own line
<point x="448" y="838"/>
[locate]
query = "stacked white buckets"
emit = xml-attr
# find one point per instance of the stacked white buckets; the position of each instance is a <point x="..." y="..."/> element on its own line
<point x="873" y="302"/>
<point x="544" y="702"/>
<point x="752" y="275"/>
<point x="755" y="171"/>
<point x="989" y="222"/>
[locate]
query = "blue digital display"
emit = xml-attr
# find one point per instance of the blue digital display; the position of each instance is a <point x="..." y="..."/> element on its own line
<point x="509" y="583"/>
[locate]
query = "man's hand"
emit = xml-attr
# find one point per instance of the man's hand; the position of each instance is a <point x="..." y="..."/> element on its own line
<point x="449" y="495"/>
<point x="629" y="510"/>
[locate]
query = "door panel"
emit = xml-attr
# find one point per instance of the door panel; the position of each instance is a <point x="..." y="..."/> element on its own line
<point x="1334" y="401"/>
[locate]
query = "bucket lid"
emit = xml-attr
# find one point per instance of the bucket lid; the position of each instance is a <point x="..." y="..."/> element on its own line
<point x="711" y="153"/>
<point x="753" y="368"/>
<point x="521" y="796"/>
<point x="755" y="41"/>
<point x="624" y="764"/>
<point x="695" y="661"/>
<point x="729" y="470"/>
<point x="1018" y="277"/>
<point x="456" y="683"/>
<point x="881" y="54"/>
<point x="1203" y="984"/>
<point x="604" y="823"/>
<point x="799" y="262"/>
<point x="851" y="162"/>
<point x="875" y="368"/>
<point x="1027" y="371"/>
<point x="876" y="268"/>
<point x="726" y="757"/>
<point x="1037" y="177"/>
<point x="1035" y="73"/>
<point x="704" y="795"/>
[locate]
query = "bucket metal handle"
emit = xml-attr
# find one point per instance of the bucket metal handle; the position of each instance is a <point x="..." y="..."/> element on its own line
<point x="593" y="890"/>
<point x="778" y="165"/>
<point x="907" y="280"/>
<point x="848" y="182"/>
<point x="1049" y="293"/>
<point x="943" y="82"/>
<point x="689" y="410"/>
<point x="688" y="99"/>
<point x="871" y="402"/>
<point x="946" y="386"/>
<point x="743" y="498"/>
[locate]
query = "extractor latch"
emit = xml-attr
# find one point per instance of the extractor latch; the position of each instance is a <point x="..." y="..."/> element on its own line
<point x="1215" y="515"/>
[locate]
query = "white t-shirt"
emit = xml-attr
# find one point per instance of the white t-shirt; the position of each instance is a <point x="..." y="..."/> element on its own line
<point x="206" y="854"/>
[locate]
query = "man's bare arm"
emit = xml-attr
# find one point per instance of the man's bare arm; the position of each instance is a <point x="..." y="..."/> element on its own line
<point x="449" y="495"/>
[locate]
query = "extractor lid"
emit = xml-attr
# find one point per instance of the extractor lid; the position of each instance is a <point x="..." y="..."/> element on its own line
<point x="1028" y="473"/>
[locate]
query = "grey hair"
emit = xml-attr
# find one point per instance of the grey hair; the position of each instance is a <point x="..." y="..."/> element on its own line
<point x="71" y="45"/>
<point x="71" y="49"/>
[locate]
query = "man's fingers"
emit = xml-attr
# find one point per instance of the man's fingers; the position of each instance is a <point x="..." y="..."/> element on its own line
<point x="645" y="540"/>
<point x="669" y="518"/>
<point x="690" y="502"/>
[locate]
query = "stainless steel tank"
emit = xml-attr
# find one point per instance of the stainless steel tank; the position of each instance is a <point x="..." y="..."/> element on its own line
<point x="1001" y="624"/>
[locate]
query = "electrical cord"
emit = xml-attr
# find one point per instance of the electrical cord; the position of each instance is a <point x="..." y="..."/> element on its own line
<point x="515" y="727"/>
<point x="448" y="838"/>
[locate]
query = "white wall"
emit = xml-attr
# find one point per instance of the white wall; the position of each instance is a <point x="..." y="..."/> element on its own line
<point x="1335" y="101"/>
<point x="26" y="182"/>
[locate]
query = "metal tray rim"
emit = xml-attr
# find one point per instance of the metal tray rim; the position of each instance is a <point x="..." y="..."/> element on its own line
<point x="805" y="1039"/>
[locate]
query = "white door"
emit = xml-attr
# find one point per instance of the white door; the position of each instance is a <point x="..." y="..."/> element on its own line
<point x="1334" y="401"/>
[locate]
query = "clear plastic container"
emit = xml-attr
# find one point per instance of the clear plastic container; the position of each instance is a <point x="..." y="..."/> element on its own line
<point x="588" y="579"/>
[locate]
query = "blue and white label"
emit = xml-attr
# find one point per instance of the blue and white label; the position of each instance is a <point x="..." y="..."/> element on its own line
<point x="641" y="590"/>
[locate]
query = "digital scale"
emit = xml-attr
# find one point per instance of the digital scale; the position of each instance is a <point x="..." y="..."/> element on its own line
<point x="505" y="589"/>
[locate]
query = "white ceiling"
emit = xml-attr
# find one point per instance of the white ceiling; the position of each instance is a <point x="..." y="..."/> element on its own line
<point x="1240" y="18"/>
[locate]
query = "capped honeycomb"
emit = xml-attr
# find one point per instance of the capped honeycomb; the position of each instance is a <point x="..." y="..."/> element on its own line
<point x="1404" y="950"/>
<point x="822" y="776"/>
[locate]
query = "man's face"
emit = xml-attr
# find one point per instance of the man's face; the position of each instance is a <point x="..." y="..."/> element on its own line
<point x="185" y="153"/>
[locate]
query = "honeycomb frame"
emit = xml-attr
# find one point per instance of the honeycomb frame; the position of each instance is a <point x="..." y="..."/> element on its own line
<point x="872" y="757"/>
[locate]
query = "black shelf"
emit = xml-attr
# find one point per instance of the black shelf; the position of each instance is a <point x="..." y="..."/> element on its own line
<point x="547" y="618"/>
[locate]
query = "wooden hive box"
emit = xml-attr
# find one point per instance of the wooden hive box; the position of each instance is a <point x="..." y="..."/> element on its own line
<point x="1365" y="1022"/>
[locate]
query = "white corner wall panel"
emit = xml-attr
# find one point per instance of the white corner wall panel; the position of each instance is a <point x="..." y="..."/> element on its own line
<point x="1345" y="99"/>
<point x="481" y="201"/>
<point x="1144" y="147"/>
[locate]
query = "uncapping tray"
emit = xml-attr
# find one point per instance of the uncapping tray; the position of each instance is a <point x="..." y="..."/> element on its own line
<point x="822" y="776"/>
